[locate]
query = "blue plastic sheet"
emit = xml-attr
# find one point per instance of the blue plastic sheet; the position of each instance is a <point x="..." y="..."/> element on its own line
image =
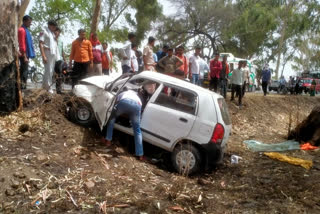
<point x="257" y="146"/>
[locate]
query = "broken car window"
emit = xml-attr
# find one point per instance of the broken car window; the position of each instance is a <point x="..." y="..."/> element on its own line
<point x="177" y="99"/>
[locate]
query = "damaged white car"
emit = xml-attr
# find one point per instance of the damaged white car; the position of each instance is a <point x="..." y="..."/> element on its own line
<point x="191" y="122"/>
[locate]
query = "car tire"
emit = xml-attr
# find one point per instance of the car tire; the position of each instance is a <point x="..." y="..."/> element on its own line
<point x="81" y="112"/>
<point x="186" y="159"/>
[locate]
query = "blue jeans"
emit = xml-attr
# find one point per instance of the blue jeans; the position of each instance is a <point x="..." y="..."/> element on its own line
<point x="126" y="69"/>
<point x="133" y="110"/>
<point x="223" y="87"/>
<point x="195" y="79"/>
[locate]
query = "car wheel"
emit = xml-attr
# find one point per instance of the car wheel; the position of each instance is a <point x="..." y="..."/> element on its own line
<point x="186" y="159"/>
<point x="81" y="112"/>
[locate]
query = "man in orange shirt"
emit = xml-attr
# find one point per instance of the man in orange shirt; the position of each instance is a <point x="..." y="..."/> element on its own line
<point x="106" y="59"/>
<point x="184" y="68"/>
<point x="81" y="54"/>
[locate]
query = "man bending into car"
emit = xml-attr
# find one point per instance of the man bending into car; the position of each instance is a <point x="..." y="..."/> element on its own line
<point x="129" y="103"/>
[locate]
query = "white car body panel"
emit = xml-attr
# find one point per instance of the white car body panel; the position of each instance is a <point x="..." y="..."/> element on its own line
<point x="161" y="126"/>
<point x="96" y="95"/>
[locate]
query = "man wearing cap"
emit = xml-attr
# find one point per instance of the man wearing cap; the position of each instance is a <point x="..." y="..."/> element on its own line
<point x="49" y="51"/>
<point x="26" y="49"/>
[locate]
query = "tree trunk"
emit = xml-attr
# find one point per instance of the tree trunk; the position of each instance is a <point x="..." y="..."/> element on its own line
<point x="23" y="7"/>
<point x="96" y="17"/>
<point x="9" y="98"/>
<point x="309" y="129"/>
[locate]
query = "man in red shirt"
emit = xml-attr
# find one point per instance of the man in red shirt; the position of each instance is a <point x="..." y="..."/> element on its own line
<point x="26" y="49"/>
<point x="215" y="69"/>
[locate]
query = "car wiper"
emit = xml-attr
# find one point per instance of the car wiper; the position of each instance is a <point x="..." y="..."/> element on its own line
<point x="109" y="86"/>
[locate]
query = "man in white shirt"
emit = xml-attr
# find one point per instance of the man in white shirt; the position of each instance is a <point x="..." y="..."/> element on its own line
<point x="237" y="81"/>
<point x="194" y="66"/>
<point x="49" y="52"/>
<point x="125" y="53"/>
<point x="129" y="103"/>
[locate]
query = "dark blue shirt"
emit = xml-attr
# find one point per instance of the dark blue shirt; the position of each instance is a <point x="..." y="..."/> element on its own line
<point x="266" y="75"/>
<point x="161" y="54"/>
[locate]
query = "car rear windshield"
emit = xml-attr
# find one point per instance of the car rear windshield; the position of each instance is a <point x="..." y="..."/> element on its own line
<point x="224" y="111"/>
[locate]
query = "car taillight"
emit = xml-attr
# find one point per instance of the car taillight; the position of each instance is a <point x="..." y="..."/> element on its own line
<point x="218" y="133"/>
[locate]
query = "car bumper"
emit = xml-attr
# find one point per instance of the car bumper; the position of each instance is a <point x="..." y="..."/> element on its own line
<point x="213" y="153"/>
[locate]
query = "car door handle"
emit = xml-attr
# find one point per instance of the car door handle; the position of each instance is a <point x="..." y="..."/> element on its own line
<point x="183" y="119"/>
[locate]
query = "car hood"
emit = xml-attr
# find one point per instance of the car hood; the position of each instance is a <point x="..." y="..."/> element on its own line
<point x="99" y="81"/>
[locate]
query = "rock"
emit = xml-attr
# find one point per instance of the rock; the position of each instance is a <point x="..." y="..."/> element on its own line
<point x="15" y="184"/>
<point x="89" y="184"/>
<point x="41" y="157"/>
<point x="7" y="205"/>
<point x="84" y="157"/>
<point x="9" y="192"/>
<point x="202" y="181"/>
<point x="2" y="179"/>
<point x="120" y="150"/>
<point x="2" y="159"/>
<point x="24" y="128"/>
<point x="38" y="186"/>
<point x="20" y="175"/>
<point x="53" y="185"/>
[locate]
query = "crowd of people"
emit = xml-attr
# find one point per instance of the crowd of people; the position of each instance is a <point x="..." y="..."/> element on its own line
<point x="87" y="57"/>
<point x="90" y="57"/>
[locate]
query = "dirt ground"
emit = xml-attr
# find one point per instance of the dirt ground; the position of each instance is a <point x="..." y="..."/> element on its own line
<point x="50" y="165"/>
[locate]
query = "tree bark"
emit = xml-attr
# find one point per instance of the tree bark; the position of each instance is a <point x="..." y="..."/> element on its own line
<point x="9" y="98"/>
<point x="96" y="17"/>
<point x="23" y="7"/>
<point x="309" y="129"/>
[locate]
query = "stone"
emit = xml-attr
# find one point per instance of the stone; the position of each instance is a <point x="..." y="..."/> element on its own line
<point x="41" y="157"/>
<point x="20" y="175"/>
<point x="2" y="179"/>
<point x="89" y="184"/>
<point x="7" y="205"/>
<point x="9" y="192"/>
<point x="15" y="184"/>
<point x="53" y="185"/>
<point x="84" y="157"/>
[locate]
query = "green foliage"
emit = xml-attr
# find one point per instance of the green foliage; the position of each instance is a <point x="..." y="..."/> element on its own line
<point x="71" y="13"/>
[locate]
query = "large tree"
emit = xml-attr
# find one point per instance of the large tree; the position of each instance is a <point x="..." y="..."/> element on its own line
<point x="110" y="18"/>
<point x="9" y="73"/>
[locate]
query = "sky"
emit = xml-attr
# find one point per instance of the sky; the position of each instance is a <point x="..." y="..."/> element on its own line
<point x="170" y="9"/>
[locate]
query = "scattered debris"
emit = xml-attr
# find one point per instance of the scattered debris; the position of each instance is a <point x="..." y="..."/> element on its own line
<point x="257" y="146"/>
<point x="308" y="146"/>
<point x="235" y="159"/>
<point x="295" y="161"/>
